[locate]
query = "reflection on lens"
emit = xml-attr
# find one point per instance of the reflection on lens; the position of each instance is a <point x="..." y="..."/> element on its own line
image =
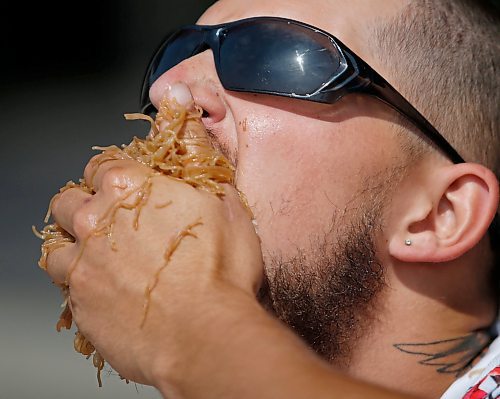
<point x="273" y="57"/>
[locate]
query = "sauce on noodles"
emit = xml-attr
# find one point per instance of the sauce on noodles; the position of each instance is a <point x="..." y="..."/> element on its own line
<point x="176" y="146"/>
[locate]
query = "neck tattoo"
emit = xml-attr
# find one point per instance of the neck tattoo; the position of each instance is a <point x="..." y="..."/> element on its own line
<point x="450" y="356"/>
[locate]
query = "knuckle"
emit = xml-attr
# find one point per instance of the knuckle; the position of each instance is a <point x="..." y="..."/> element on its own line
<point x="82" y="223"/>
<point x="94" y="160"/>
<point x="55" y="206"/>
<point x="114" y="177"/>
<point x="91" y="166"/>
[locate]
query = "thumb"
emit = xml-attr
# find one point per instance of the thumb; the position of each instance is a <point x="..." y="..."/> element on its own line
<point x="179" y="92"/>
<point x="178" y="99"/>
<point x="202" y="165"/>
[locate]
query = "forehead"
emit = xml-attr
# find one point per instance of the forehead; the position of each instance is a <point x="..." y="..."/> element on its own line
<point x="351" y="21"/>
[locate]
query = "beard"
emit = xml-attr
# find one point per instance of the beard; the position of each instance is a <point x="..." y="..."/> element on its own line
<point x="328" y="295"/>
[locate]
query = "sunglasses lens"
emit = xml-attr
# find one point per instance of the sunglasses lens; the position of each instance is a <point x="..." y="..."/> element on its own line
<point x="269" y="57"/>
<point x="180" y="46"/>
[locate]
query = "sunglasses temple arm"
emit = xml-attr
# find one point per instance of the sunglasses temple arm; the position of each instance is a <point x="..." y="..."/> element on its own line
<point x="385" y="92"/>
<point x="390" y="96"/>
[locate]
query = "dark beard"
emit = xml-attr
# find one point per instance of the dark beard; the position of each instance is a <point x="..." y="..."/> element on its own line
<point x="329" y="296"/>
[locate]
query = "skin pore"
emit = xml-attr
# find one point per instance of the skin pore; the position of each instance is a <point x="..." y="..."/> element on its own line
<point x="309" y="173"/>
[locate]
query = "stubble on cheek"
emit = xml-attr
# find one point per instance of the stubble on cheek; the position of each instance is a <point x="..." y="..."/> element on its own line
<point x="222" y="147"/>
<point x="328" y="293"/>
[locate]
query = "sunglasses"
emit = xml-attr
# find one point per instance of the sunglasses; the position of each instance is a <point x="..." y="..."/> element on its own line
<point x="282" y="57"/>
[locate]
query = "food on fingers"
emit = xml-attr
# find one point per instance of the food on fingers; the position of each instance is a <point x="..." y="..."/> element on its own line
<point x="177" y="146"/>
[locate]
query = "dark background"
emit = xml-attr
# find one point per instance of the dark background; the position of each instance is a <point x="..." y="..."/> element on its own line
<point x="68" y="72"/>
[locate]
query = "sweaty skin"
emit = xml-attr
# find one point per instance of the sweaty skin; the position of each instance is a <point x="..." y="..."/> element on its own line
<point x="177" y="146"/>
<point x="182" y="209"/>
<point x="303" y="168"/>
<point x="221" y="281"/>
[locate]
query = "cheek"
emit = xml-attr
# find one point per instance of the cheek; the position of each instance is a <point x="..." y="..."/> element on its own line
<point x="294" y="178"/>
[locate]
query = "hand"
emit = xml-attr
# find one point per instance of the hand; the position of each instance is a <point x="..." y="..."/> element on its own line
<point x="153" y="258"/>
<point x="162" y="280"/>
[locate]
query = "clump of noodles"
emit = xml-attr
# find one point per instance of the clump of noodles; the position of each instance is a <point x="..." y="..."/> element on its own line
<point x="177" y="146"/>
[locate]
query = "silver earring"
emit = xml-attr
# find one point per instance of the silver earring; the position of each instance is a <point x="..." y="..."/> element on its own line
<point x="407" y="242"/>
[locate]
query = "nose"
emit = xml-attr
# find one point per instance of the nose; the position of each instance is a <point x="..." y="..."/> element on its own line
<point x="199" y="74"/>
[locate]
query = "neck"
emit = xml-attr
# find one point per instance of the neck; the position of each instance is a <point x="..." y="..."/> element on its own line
<point x="423" y="340"/>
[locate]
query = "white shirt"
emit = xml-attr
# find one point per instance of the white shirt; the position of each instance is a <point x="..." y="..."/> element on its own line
<point x="480" y="374"/>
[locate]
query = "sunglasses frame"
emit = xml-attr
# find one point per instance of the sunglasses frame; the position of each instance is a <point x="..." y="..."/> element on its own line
<point x="356" y="77"/>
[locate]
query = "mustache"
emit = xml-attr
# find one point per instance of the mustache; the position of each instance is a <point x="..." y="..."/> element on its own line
<point x="223" y="148"/>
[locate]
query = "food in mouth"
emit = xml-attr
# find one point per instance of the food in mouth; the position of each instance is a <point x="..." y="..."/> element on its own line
<point x="177" y="146"/>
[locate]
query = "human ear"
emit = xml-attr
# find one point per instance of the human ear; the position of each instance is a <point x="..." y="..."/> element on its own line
<point x="444" y="214"/>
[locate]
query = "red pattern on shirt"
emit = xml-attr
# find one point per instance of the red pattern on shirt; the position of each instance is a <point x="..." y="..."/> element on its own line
<point x="476" y="393"/>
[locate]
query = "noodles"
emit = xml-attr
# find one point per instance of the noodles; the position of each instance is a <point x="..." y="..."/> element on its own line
<point x="181" y="149"/>
<point x="168" y="254"/>
<point x="176" y="146"/>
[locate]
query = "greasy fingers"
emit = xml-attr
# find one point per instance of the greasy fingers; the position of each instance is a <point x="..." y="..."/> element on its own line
<point x="181" y="94"/>
<point x="104" y="173"/>
<point x="65" y="206"/>
<point x="59" y="262"/>
<point x="146" y="242"/>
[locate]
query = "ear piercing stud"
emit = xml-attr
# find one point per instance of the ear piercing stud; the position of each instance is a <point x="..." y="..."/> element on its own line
<point x="408" y="242"/>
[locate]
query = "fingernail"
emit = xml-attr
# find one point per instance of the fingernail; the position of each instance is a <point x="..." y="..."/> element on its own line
<point x="180" y="92"/>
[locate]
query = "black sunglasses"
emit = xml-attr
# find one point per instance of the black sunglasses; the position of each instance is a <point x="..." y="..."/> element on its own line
<point x="279" y="56"/>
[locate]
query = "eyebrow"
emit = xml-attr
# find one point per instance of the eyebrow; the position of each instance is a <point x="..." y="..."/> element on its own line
<point x="222" y="147"/>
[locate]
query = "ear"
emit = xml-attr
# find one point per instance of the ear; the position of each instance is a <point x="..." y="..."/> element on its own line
<point x="443" y="213"/>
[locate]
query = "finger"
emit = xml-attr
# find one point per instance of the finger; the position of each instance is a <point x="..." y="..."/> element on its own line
<point x="181" y="93"/>
<point x="65" y="206"/>
<point x="59" y="262"/>
<point x="115" y="175"/>
<point x="91" y="168"/>
<point x="96" y="170"/>
<point x="96" y="162"/>
<point x="100" y="160"/>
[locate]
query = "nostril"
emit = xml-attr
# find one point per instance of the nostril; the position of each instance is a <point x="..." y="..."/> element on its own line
<point x="205" y="114"/>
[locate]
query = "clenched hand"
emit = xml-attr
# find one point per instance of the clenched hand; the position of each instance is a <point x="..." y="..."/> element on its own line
<point x="145" y="291"/>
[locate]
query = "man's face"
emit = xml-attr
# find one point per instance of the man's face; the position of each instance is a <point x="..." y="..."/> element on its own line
<point x="306" y="169"/>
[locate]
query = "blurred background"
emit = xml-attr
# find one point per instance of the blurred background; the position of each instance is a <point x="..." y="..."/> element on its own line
<point x="68" y="72"/>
